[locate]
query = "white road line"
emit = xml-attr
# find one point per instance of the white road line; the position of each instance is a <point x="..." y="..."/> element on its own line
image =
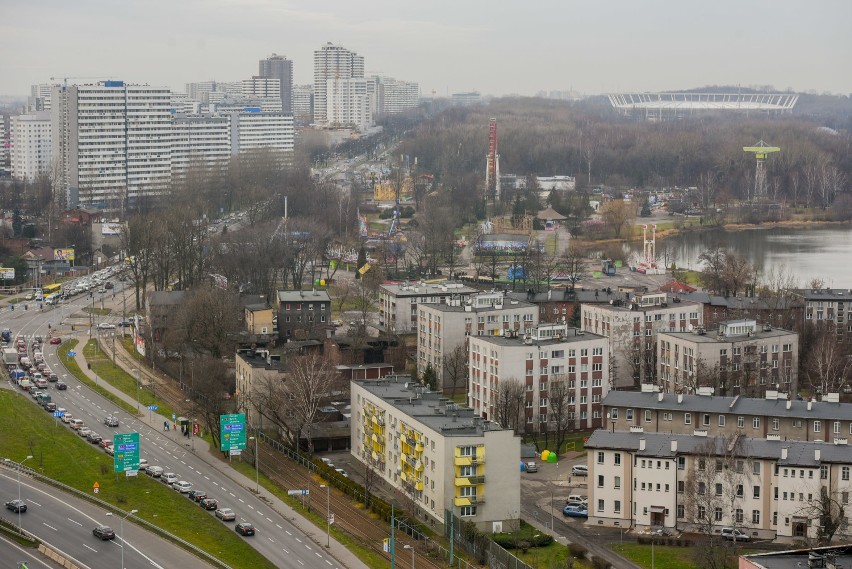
<point x="270" y="539"/>
<point x="287" y="532"/>
<point x="50" y="526"/>
<point x="309" y="547"/>
<point x="318" y="555"/>
<point x="183" y="463"/>
<point x="297" y="539"/>
<point x="269" y="520"/>
<point x="75" y="521"/>
<point x="300" y="561"/>
<point x="278" y="526"/>
<point x="36" y="503"/>
<point x="285" y="551"/>
<point x="327" y="561"/>
<point x="92" y="548"/>
<point x="250" y="506"/>
<point x="243" y="501"/>
<point x="232" y="494"/>
<point x="206" y="478"/>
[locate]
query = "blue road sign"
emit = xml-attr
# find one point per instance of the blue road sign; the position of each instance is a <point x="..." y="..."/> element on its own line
<point x="59" y="413"/>
<point x="152" y="407"/>
<point x="72" y="354"/>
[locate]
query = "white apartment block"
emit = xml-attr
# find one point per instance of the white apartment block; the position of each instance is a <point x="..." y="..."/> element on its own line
<point x="349" y="103"/>
<point x="261" y="88"/>
<point x="30" y="138"/>
<point x="303" y="103"/>
<point x="741" y="358"/>
<point x="200" y="91"/>
<point x="334" y="64"/>
<point x="766" y="488"/>
<point x="438" y="455"/>
<point x="398" y="302"/>
<point x="256" y="130"/>
<point x="394" y="96"/>
<point x="39" y="99"/>
<point x="200" y="141"/>
<point x="631" y="327"/>
<point x="441" y="328"/>
<point x="112" y="142"/>
<point x="547" y="354"/>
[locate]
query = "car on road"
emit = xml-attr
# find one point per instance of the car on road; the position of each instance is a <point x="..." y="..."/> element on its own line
<point x="125" y="323"/>
<point x="244" y="528"/>
<point x="94" y="438"/>
<point x="108" y="285"/>
<point x="154" y="471"/>
<point x="342" y="472"/>
<point x="61" y="385"/>
<point x="67" y="418"/>
<point x="575" y="511"/>
<point x="106" y="326"/>
<point x="111" y="421"/>
<point x="209" y="504"/>
<point x="580" y="470"/>
<point x="735" y="534"/>
<point x="103" y="532"/>
<point x="84" y="431"/>
<point x="531" y="466"/>
<point x="196" y="495"/>
<point x="105" y="443"/>
<point x="77" y="424"/>
<point x="182" y="486"/>
<point x="169" y="478"/>
<point x="50" y="407"/>
<point x="226" y="514"/>
<point x="56" y="340"/>
<point x="110" y="450"/>
<point x="16" y="506"/>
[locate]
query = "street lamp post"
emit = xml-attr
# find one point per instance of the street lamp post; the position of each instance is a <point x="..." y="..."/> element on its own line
<point x="411" y="547"/>
<point x="121" y="532"/>
<point x="20" y="466"/>
<point x="327" y="514"/>
<point x="256" y="466"/>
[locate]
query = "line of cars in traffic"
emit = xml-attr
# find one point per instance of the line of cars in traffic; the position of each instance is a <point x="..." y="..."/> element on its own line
<point x="99" y="280"/>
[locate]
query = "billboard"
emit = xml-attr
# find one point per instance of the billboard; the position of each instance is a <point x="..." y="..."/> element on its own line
<point x="232" y="432"/>
<point x="7" y="273"/>
<point x="63" y="254"/>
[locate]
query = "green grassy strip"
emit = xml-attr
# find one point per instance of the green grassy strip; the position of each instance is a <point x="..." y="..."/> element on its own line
<point x="665" y="556"/>
<point x="10" y="530"/>
<point x="98" y="311"/>
<point x="71" y="365"/>
<point x="104" y="368"/>
<point x="55" y="447"/>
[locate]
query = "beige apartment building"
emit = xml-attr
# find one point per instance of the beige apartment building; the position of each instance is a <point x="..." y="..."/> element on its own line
<point x="767" y="488"/>
<point x="773" y="417"/>
<point x="254" y="370"/>
<point x="741" y="358"/>
<point x="441" y="328"/>
<point x="437" y="454"/>
<point x="631" y="327"/>
<point x="549" y="353"/>
<point x="398" y="302"/>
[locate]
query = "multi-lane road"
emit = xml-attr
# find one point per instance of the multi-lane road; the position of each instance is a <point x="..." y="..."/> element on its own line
<point x="277" y="538"/>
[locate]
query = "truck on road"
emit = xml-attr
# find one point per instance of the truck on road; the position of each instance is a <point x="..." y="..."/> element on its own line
<point x="10" y="357"/>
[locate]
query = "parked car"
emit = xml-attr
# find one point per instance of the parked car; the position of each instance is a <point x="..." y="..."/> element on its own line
<point x="103" y="532"/>
<point x="531" y="466"/>
<point x="580" y="470"/>
<point x="105" y="443"/>
<point x="735" y="534"/>
<point x="342" y="472"/>
<point x="182" y="486"/>
<point x="226" y="514"/>
<point x="84" y="431"/>
<point x="209" y="504"/>
<point x="575" y="512"/>
<point x="244" y="528"/>
<point x="16" y="506"/>
<point x="577" y="498"/>
<point x="94" y="438"/>
<point x="106" y="326"/>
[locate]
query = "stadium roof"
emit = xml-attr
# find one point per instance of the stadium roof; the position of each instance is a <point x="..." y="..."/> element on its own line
<point x="683" y="103"/>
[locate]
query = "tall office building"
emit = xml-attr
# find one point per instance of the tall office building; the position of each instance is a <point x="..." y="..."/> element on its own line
<point x="111" y="143"/>
<point x="279" y="67"/>
<point x="333" y="65"/>
<point x="303" y="103"/>
<point x="31" y="147"/>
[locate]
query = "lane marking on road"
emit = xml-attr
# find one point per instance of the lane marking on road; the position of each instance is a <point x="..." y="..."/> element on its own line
<point x="241" y="500"/>
<point x="75" y="521"/>
<point x="309" y="547"/>
<point x="88" y="547"/>
<point x="278" y="526"/>
<point x="232" y="494"/>
<point x="250" y="506"/>
<point x="50" y="526"/>
<point x="270" y="539"/>
<point x="318" y="555"/>
<point x="36" y="503"/>
<point x="268" y="519"/>
<point x="297" y="539"/>
<point x="288" y="532"/>
<point x="327" y="561"/>
<point x="300" y="561"/>
<point x="206" y="478"/>
<point x="285" y="550"/>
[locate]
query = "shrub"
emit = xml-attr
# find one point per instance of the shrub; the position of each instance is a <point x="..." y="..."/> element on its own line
<point x="598" y="563"/>
<point x="577" y="550"/>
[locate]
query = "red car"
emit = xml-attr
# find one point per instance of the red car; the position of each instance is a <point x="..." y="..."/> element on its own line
<point x="56" y="340"/>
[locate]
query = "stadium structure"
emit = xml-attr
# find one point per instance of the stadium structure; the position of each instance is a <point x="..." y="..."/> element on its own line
<point x="672" y="106"/>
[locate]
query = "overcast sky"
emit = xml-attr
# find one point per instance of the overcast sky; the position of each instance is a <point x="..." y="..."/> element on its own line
<point x="496" y="47"/>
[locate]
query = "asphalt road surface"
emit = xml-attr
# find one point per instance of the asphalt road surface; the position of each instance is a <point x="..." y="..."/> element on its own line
<point x="13" y="554"/>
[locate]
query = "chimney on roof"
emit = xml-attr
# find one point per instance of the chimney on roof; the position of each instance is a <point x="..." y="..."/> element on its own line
<point x="660" y="396"/>
<point x="789" y="403"/>
<point x="641" y="444"/>
<point x="784" y="453"/>
<point x="674" y="445"/>
<point x="810" y="404"/>
<point x="679" y="398"/>
<point x="817" y="454"/>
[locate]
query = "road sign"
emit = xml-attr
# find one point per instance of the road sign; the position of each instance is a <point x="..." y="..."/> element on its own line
<point x="152" y="407"/>
<point x="298" y="492"/>
<point x="96" y="487"/>
<point x="126" y="455"/>
<point x="232" y="431"/>
<point x="59" y="413"/>
<point x="173" y="417"/>
<point x="72" y="354"/>
<point x="331" y="518"/>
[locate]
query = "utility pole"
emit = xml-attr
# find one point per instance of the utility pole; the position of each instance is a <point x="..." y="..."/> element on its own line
<point x="392" y="544"/>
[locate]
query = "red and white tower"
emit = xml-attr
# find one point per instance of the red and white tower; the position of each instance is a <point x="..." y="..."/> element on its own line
<point x="492" y="164"/>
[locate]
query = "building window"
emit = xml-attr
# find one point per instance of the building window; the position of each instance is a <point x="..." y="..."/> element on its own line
<point x="755" y="422"/>
<point x="600" y="481"/>
<point x="681" y="485"/>
<point x="719" y="490"/>
<point x="756" y="492"/>
<point x="739" y="515"/>
<point x="817" y="426"/>
<point x="717" y="514"/>
<point x="721" y="420"/>
<point x="647" y="415"/>
<point x="702" y="512"/>
<point x="616" y="482"/>
<point x="844" y="473"/>
<point x="681" y="511"/>
<point x="617" y="457"/>
<point x="755" y="468"/>
<point x="617" y="506"/>
<point x="468" y="511"/>
<point x="823" y="472"/>
<point x="705" y="419"/>
<point x="755" y="516"/>
<point x="687" y="418"/>
<point x="600" y="505"/>
<point x="681" y="463"/>
<point x="740" y="422"/>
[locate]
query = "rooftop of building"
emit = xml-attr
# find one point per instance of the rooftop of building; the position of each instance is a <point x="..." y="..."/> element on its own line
<point x="665" y="445"/>
<point x="258" y="307"/>
<point x="261" y="359"/>
<point x="165" y="297"/>
<point x="483" y="302"/>
<point x="313" y="295"/>
<point x="774" y="404"/>
<point x="429" y="408"/>
<point x="727" y="333"/>
<point x="799" y="558"/>
<point x="422" y="288"/>
<point x="646" y="302"/>
<point x="833" y="294"/>
<point x="543" y="335"/>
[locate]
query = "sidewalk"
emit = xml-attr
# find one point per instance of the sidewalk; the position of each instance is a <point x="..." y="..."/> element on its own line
<point x="204" y="452"/>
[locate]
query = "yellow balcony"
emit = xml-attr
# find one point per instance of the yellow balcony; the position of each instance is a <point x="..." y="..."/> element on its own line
<point x="463" y="460"/>
<point x="418" y="447"/>
<point x="470" y="481"/>
<point x="419" y="486"/>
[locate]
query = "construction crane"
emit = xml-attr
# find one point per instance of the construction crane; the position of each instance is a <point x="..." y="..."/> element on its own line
<point x="65" y="79"/>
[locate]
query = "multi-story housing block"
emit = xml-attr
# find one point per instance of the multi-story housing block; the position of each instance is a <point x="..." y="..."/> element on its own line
<point x="257" y="373"/>
<point x="538" y="360"/>
<point x="30" y="138"/>
<point x="303" y="104"/>
<point x="398" y="302"/>
<point x="394" y="96"/>
<point x="256" y="130"/>
<point x="631" y="327"/>
<point x="338" y="101"/>
<point x="200" y="141"/>
<point x="280" y="68"/>
<point x="438" y="455"/>
<point x="39" y="99"/>
<point x="261" y="88"/>
<point x="441" y="328"/>
<point x="830" y="308"/>
<point x="767" y="488"/>
<point x="741" y="358"/>
<point x="774" y="417"/>
<point x="300" y="312"/>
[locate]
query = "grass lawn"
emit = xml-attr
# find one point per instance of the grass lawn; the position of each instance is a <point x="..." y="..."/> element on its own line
<point x="98" y="311"/>
<point x="71" y="365"/>
<point x="665" y="556"/>
<point x="56" y="447"/>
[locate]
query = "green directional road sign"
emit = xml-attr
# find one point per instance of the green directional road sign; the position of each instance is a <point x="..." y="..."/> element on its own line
<point x="232" y="429"/>
<point x="126" y="455"/>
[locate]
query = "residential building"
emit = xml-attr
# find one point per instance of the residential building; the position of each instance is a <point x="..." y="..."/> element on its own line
<point x="773" y="417"/>
<point x="334" y="66"/>
<point x="200" y="91"/>
<point x="769" y="489"/>
<point x="349" y="103"/>
<point x="393" y="96"/>
<point x="398" y="302"/>
<point x="259" y="87"/>
<point x="303" y="104"/>
<point x="437" y="454"/>
<point x="741" y="358"/>
<point x="441" y="328"/>
<point x="160" y="309"/>
<point x="301" y="312"/>
<point x="111" y="143"/>
<point x="279" y="67"/>
<point x="200" y="141"/>
<point x="781" y="311"/>
<point x="254" y="130"/>
<point x="830" y="307"/>
<point x="256" y="372"/>
<point x="828" y="557"/>
<point x="39" y="99"/>
<point x="631" y="327"/>
<point x="466" y="99"/>
<point x="548" y="354"/>
<point x="30" y="138"/>
<point x="259" y="318"/>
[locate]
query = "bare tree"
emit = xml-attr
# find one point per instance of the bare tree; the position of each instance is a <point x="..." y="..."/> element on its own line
<point x="313" y="379"/>
<point x="827" y="366"/>
<point x="827" y="512"/>
<point x="456" y="369"/>
<point x="137" y="238"/>
<point x="618" y="214"/>
<point x="561" y="409"/>
<point x="508" y="410"/>
<point x="572" y="263"/>
<point x="206" y="322"/>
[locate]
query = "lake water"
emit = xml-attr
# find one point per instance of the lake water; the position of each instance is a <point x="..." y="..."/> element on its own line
<point x="824" y="253"/>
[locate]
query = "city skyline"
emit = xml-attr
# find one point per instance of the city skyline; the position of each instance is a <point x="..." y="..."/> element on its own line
<point x="651" y="46"/>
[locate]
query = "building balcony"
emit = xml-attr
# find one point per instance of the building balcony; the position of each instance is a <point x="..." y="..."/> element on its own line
<point x="468" y="500"/>
<point x="470" y="480"/>
<point x="468" y="460"/>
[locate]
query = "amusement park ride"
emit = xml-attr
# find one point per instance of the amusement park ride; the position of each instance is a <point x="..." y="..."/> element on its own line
<point x="648" y="264"/>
